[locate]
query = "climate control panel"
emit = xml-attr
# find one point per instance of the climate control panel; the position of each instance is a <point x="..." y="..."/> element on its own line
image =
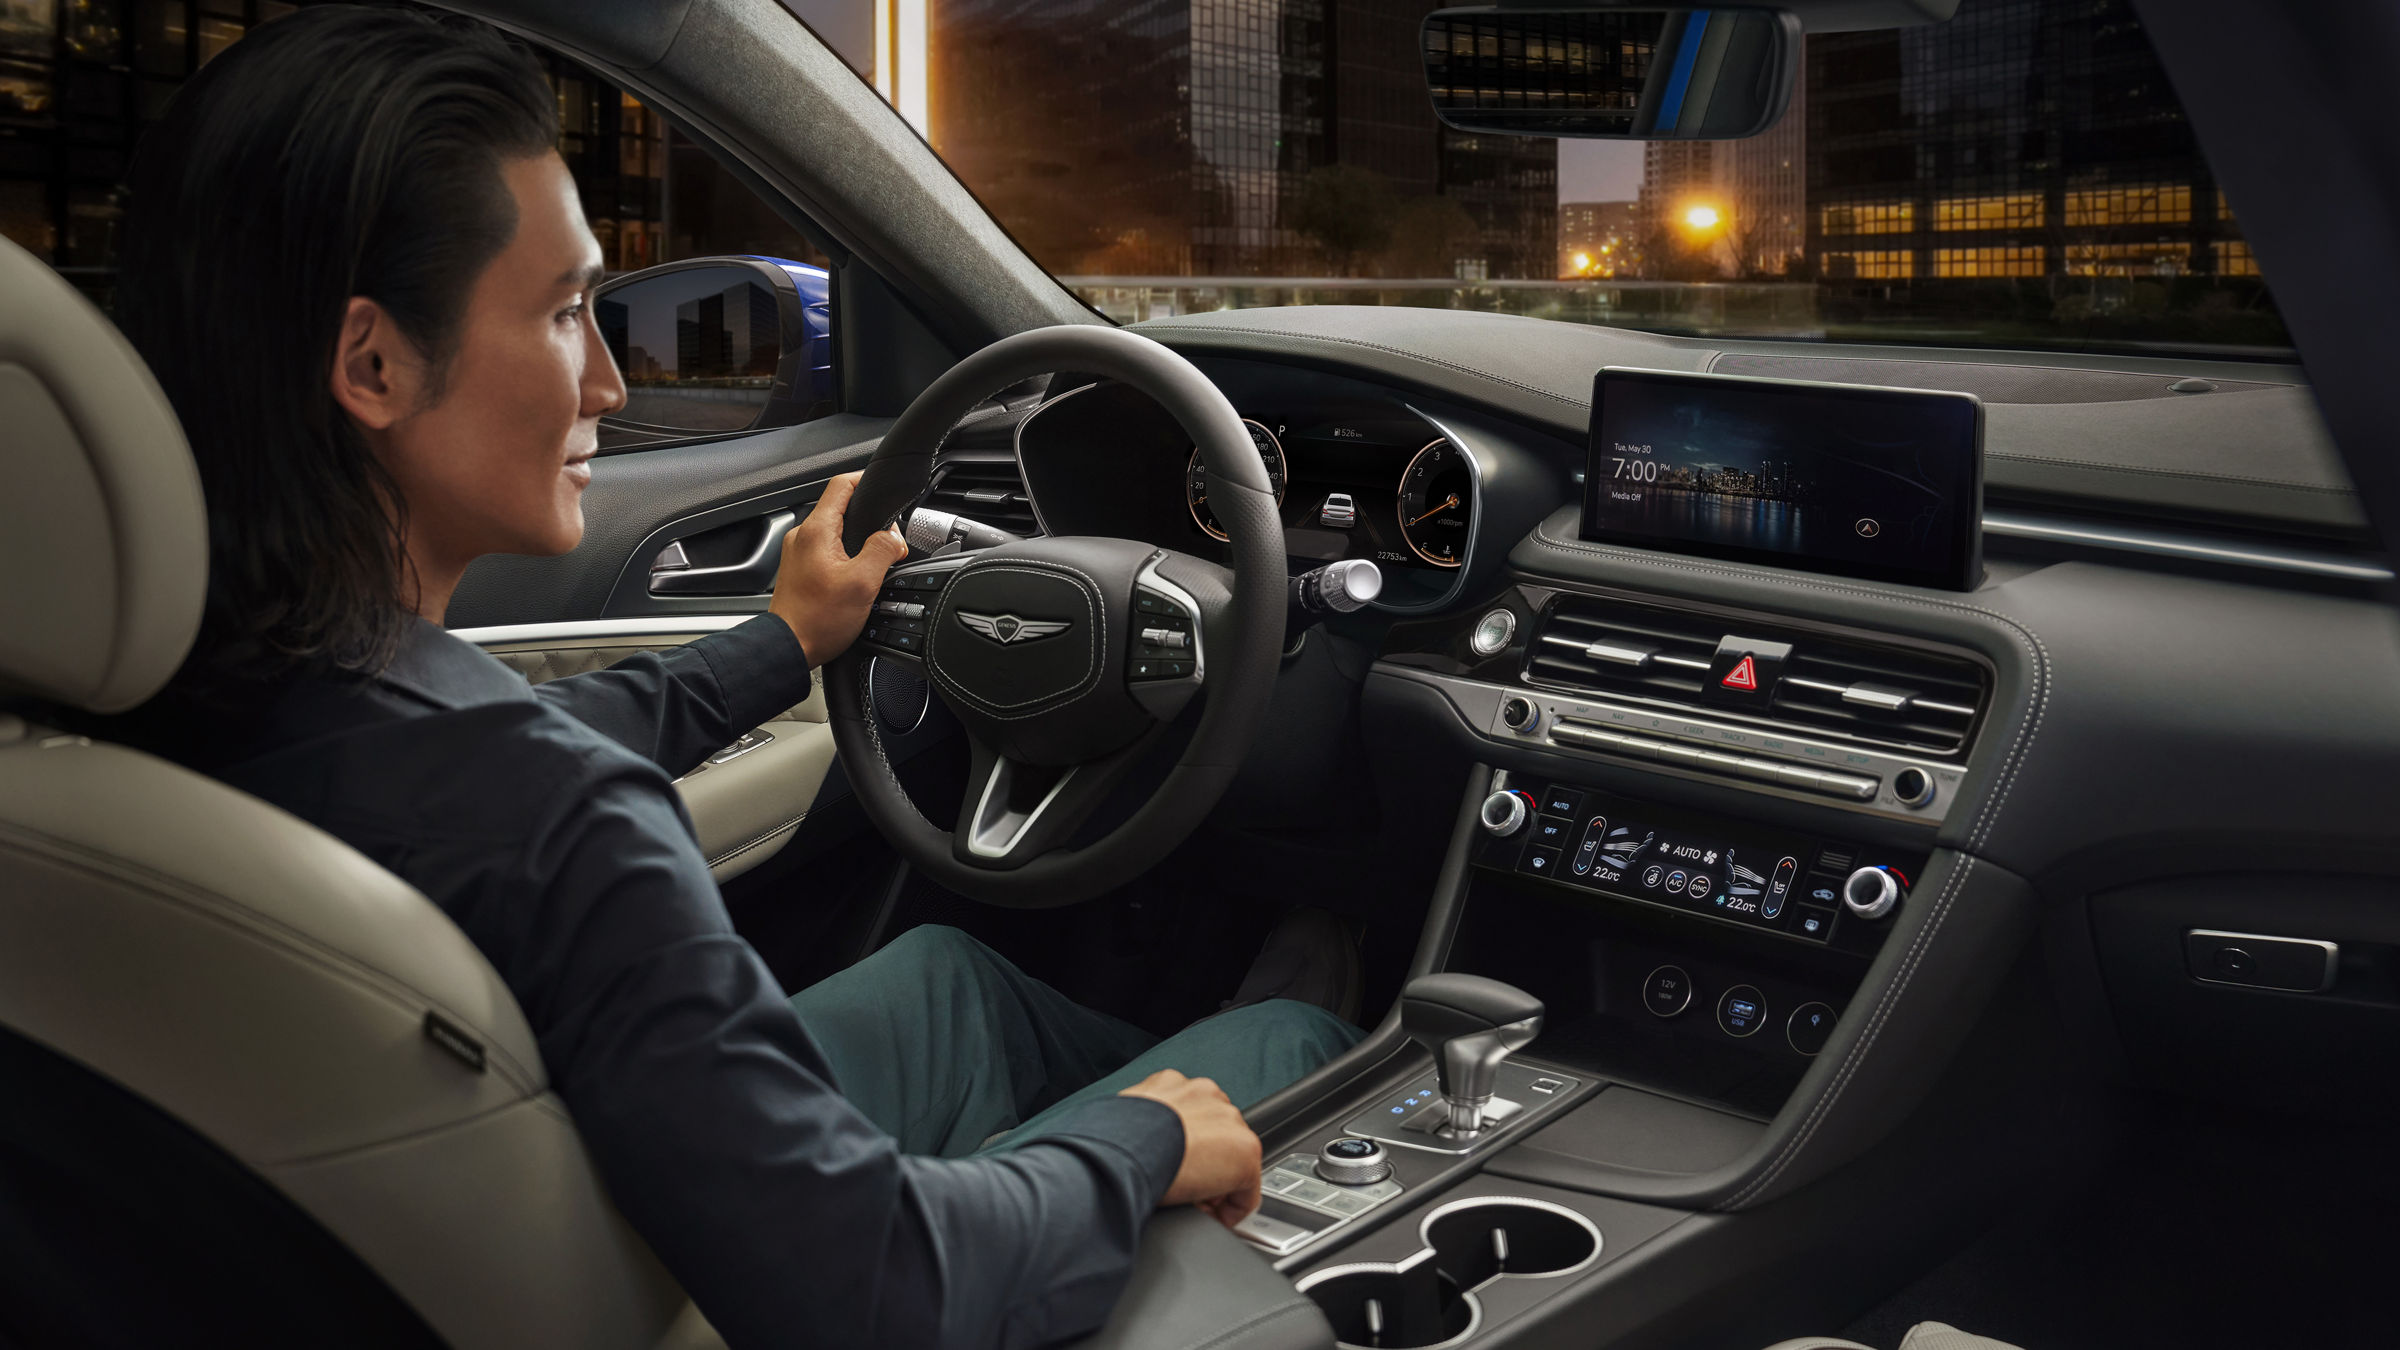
<point x="1799" y="886"/>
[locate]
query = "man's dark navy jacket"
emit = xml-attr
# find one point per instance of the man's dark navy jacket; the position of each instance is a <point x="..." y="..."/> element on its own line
<point x="545" y="822"/>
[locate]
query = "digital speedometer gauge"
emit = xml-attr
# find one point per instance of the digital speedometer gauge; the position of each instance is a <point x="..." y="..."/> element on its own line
<point x="1437" y="504"/>
<point x="1195" y="477"/>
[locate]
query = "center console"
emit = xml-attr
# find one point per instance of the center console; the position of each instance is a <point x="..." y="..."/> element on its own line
<point x="1653" y="982"/>
<point x="1689" y="837"/>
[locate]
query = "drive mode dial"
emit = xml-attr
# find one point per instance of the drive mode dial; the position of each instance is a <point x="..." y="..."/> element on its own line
<point x="1353" y="1162"/>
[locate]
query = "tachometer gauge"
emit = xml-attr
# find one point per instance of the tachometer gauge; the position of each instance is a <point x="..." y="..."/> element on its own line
<point x="1437" y="504"/>
<point x="1195" y="477"/>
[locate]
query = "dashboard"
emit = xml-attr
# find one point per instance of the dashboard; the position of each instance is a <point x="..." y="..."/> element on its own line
<point x="2166" y="640"/>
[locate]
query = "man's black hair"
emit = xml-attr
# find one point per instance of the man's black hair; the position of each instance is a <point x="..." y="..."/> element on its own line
<point x="335" y="152"/>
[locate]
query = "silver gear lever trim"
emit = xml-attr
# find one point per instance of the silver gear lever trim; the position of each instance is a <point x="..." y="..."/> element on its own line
<point x="1471" y="1024"/>
<point x="1469" y="1065"/>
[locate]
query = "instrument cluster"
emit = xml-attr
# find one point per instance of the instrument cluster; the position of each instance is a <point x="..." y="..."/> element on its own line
<point x="1355" y="478"/>
<point x="1356" y="489"/>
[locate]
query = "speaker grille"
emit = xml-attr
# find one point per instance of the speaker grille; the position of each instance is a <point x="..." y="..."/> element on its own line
<point x="898" y="695"/>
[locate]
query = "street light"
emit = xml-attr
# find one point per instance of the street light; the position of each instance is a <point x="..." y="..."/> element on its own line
<point x="1583" y="262"/>
<point x="1701" y="217"/>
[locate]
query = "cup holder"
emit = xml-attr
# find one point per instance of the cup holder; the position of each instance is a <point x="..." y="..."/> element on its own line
<point x="1428" y="1300"/>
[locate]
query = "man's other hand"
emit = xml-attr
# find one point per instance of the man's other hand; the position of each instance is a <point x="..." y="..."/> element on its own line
<point x="823" y="593"/>
<point x="1220" y="1154"/>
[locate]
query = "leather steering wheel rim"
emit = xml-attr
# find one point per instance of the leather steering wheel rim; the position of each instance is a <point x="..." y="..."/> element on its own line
<point x="1243" y="640"/>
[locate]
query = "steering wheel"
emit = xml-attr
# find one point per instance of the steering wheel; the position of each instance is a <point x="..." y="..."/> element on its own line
<point x="1064" y="657"/>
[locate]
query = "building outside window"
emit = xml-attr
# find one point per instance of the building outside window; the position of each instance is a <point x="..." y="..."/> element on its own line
<point x="81" y="79"/>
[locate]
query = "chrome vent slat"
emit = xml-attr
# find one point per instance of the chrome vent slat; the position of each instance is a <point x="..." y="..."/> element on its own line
<point x="1919" y="702"/>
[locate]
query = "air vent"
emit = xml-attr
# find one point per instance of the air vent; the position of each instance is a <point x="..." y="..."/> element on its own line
<point x="1881" y="694"/>
<point x="987" y="490"/>
<point x="1624" y="649"/>
<point x="1886" y="696"/>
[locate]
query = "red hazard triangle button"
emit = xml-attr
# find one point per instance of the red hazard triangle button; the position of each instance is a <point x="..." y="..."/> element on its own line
<point x="1744" y="675"/>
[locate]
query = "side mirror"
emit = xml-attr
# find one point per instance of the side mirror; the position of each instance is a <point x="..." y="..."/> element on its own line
<point x="715" y="346"/>
<point x="1642" y="74"/>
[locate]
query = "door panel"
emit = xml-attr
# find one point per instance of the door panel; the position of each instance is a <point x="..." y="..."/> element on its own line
<point x="744" y="809"/>
<point x="641" y="501"/>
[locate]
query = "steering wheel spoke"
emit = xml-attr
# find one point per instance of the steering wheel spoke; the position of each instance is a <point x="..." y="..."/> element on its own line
<point x="1013" y="811"/>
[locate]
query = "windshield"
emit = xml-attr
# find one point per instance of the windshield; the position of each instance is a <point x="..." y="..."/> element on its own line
<point x="2022" y="175"/>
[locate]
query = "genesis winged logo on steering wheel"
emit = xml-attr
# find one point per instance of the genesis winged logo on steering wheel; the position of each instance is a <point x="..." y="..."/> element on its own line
<point x="1007" y="628"/>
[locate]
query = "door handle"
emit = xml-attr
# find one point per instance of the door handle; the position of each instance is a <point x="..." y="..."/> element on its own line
<point x="753" y="575"/>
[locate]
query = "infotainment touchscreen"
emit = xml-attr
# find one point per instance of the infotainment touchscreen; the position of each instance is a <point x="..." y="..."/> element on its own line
<point x="1865" y="482"/>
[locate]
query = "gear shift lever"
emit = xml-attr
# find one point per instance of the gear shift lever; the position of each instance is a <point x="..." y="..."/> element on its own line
<point x="1470" y="1024"/>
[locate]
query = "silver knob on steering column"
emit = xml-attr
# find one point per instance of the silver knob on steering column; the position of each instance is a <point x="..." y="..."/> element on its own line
<point x="929" y="531"/>
<point x="1506" y="811"/>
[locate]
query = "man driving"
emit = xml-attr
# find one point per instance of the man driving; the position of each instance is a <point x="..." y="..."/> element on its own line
<point x="360" y="271"/>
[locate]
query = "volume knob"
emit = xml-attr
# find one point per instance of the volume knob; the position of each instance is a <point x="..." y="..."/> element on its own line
<point x="1870" y="892"/>
<point x="1505" y="811"/>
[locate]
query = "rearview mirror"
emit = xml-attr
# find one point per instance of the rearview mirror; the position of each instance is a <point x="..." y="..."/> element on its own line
<point x="713" y="346"/>
<point x="1646" y="74"/>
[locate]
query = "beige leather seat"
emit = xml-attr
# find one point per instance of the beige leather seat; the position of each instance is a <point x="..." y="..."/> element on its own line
<point x="252" y="976"/>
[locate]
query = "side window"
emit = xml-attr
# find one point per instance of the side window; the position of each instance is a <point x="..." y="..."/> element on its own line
<point x="81" y="79"/>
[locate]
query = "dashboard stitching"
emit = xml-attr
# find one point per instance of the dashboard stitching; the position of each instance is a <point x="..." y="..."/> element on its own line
<point x="1585" y="405"/>
<point x="1883" y="1008"/>
<point x="1095" y="645"/>
<point x="1985" y="819"/>
<point x="2169" y="473"/>
<point x="1394" y="351"/>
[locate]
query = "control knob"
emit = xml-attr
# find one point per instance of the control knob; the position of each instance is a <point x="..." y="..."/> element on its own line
<point x="1871" y="892"/>
<point x="1353" y="1162"/>
<point x="1506" y="811"/>
<point x="1520" y="715"/>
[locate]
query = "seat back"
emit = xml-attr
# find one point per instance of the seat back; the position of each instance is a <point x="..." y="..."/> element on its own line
<point x="306" y="1013"/>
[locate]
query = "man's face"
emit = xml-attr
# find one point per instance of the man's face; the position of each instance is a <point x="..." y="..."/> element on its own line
<point x="497" y="461"/>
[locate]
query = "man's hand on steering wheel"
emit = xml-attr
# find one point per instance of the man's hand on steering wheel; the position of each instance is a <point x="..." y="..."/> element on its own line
<point x="1066" y="659"/>
<point x="822" y="591"/>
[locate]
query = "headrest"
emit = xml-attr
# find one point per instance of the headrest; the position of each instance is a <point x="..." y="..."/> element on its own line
<point x="103" y="535"/>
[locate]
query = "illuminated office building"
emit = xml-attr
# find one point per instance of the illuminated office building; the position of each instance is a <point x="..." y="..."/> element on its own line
<point x="2023" y="139"/>
<point x="1171" y="137"/>
<point x="80" y="79"/>
<point x="1595" y="237"/>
